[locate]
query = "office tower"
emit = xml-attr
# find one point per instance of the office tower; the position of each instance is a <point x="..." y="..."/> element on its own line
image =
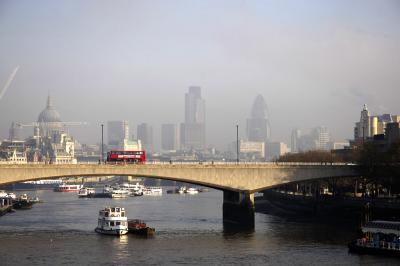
<point x="117" y="132"/>
<point x="169" y="137"/>
<point x="296" y="134"/>
<point x="193" y="129"/>
<point x="321" y="138"/>
<point x="258" y="128"/>
<point x="145" y="135"/>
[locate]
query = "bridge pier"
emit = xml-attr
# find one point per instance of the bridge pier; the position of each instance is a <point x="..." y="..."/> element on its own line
<point x="238" y="209"/>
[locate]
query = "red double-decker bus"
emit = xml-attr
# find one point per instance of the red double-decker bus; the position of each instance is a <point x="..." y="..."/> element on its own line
<point x="126" y="156"/>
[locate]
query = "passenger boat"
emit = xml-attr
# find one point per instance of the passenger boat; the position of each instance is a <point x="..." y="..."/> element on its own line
<point x="23" y="202"/>
<point x="135" y="189"/>
<point x="139" y="227"/>
<point x="67" y="188"/>
<point x="152" y="191"/>
<point x="120" y="193"/>
<point x="112" y="221"/>
<point x="380" y="238"/>
<point x="192" y="191"/>
<point x="86" y="192"/>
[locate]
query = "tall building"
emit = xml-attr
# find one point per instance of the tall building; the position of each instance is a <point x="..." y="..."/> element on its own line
<point x="145" y="135"/>
<point x="321" y="138"/>
<point x="275" y="149"/>
<point x="193" y="133"/>
<point x="294" y="145"/>
<point x="258" y="127"/>
<point x="117" y="132"/>
<point x="169" y="137"/>
<point x="371" y="125"/>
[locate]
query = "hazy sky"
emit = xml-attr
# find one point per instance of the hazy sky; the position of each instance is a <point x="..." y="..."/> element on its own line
<point x="315" y="62"/>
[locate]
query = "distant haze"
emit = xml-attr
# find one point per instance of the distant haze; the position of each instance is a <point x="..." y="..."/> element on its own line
<point x="315" y="62"/>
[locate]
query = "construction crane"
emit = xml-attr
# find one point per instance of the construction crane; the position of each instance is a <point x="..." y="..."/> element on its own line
<point x="63" y="124"/>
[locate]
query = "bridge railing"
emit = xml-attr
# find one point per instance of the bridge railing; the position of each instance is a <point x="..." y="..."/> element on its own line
<point x="208" y="163"/>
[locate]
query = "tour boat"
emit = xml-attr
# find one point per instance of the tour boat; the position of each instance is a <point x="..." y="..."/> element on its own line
<point x="120" y="193"/>
<point x="381" y="238"/>
<point x="112" y="221"/>
<point x="152" y="191"/>
<point x="67" y="188"/>
<point x="192" y="191"/>
<point x="135" y="189"/>
<point x="86" y="192"/>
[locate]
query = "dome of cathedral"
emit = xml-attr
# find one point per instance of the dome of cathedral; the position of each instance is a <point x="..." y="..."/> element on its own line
<point x="49" y="114"/>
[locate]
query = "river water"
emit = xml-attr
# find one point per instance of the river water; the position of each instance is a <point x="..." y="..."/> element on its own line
<point x="189" y="230"/>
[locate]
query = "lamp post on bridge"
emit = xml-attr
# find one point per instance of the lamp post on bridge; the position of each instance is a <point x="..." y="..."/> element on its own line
<point x="102" y="145"/>
<point x="237" y="144"/>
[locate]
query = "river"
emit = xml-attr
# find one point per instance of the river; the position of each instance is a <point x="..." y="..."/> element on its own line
<point x="189" y="230"/>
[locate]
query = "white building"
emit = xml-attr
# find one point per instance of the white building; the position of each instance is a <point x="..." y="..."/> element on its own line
<point x="276" y="149"/>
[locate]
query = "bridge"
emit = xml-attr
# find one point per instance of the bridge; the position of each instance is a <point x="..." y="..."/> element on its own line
<point x="238" y="182"/>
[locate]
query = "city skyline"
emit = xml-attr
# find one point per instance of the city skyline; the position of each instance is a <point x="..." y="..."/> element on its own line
<point x="313" y="66"/>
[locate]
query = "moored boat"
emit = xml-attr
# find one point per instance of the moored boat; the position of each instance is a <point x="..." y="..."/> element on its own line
<point x="112" y="221"/>
<point x="380" y="238"/>
<point x="152" y="191"/>
<point x="67" y="188"/>
<point x="86" y="192"/>
<point x="23" y="202"/>
<point x="192" y="191"/>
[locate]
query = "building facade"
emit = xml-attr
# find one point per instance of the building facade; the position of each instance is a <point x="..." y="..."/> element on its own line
<point x="169" y="137"/>
<point x="145" y="135"/>
<point x="258" y="127"/>
<point x="192" y="132"/>
<point x="117" y="132"/>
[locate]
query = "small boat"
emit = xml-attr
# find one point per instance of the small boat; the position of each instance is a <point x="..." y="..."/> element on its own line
<point x="380" y="238"/>
<point x="112" y="221"/>
<point x="139" y="227"/>
<point x="86" y="192"/>
<point x="67" y="188"/>
<point x="120" y="193"/>
<point x="22" y="202"/>
<point x="182" y="190"/>
<point x="192" y="191"/>
<point x="149" y="191"/>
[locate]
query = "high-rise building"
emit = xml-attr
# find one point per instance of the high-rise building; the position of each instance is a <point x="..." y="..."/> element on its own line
<point x="275" y="149"/>
<point x="169" y="137"/>
<point x="258" y="127"/>
<point x="321" y="138"/>
<point x="193" y="129"/>
<point x="117" y="132"/>
<point x="145" y="135"/>
<point x="294" y="145"/>
<point x="371" y="125"/>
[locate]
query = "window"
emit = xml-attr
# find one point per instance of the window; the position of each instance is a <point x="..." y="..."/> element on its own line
<point x="111" y="223"/>
<point x="122" y="214"/>
<point x="117" y="223"/>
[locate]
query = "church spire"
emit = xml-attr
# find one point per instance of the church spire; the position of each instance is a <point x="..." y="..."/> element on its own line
<point x="49" y="102"/>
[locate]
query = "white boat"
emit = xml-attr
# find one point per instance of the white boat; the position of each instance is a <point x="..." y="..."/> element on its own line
<point x="120" y="193"/>
<point x="135" y="189"/>
<point x="3" y="194"/>
<point x="86" y="192"/>
<point x="67" y="188"/>
<point x="112" y="221"/>
<point x="12" y="195"/>
<point x="192" y="191"/>
<point x="182" y="190"/>
<point x="152" y="191"/>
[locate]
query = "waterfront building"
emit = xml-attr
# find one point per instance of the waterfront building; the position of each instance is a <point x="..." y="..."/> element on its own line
<point x="275" y="149"/>
<point x="258" y="127"/>
<point x="250" y="150"/>
<point x="169" y="137"/>
<point x="192" y="131"/>
<point x="145" y="135"/>
<point x="117" y="132"/>
<point x="371" y="125"/>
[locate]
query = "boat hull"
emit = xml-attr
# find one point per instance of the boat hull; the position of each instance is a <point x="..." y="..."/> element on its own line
<point x="354" y="248"/>
<point x="116" y="232"/>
